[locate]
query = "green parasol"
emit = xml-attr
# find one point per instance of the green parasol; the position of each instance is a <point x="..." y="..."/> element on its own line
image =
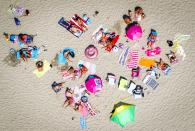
<point x="123" y="113"/>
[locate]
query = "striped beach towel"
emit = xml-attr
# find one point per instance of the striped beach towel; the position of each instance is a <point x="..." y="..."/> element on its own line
<point x="133" y="59"/>
<point x="90" y="109"/>
<point x="123" y="56"/>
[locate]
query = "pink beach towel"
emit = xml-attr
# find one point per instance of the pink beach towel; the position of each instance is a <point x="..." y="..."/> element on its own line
<point x="133" y="59"/>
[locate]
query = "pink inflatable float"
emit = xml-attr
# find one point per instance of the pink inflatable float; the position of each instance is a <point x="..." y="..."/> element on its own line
<point x="93" y="83"/>
<point x="153" y="52"/>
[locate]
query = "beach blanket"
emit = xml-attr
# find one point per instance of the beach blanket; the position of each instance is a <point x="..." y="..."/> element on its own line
<point x="46" y="68"/>
<point x="147" y="62"/>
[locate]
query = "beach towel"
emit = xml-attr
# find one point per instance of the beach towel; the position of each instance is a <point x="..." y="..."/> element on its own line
<point x="152" y="83"/>
<point x="147" y="62"/>
<point x="83" y="122"/>
<point x="96" y="35"/>
<point x="46" y="67"/>
<point x="90" y="109"/>
<point x="91" y="67"/>
<point x="61" y="58"/>
<point x="123" y="84"/>
<point x="133" y="59"/>
<point x="123" y="56"/>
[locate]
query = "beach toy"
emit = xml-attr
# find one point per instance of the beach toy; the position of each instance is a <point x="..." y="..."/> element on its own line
<point x="123" y="113"/>
<point x="147" y="62"/>
<point x="17" y="21"/>
<point x="134" y="31"/>
<point x="61" y="58"/>
<point x="135" y="72"/>
<point x="122" y="84"/>
<point x="46" y="68"/>
<point x="91" y="52"/>
<point x="93" y="83"/>
<point x="133" y="59"/>
<point x="153" y="52"/>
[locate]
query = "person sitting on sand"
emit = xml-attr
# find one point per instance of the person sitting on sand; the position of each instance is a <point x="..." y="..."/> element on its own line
<point x="139" y="13"/>
<point x="57" y="86"/>
<point x="162" y="65"/>
<point x="127" y="19"/>
<point x="39" y="65"/>
<point x="152" y="38"/>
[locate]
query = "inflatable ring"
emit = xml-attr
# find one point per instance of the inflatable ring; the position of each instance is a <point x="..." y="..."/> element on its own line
<point x="91" y="52"/>
<point x="84" y="99"/>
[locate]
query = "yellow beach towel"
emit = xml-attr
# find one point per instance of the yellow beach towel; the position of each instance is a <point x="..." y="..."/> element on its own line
<point x="46" y="67"/>
<point x="147" y="62"/>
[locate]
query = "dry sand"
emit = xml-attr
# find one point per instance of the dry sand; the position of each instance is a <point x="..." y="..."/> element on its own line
<point x="27" y="103"/>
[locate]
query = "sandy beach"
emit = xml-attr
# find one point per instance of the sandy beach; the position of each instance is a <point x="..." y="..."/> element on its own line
<point x="27" y="103"/>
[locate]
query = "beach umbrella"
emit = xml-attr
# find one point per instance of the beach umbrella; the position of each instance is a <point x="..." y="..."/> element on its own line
<point x="93" y="83"/>
<point x="123" y="113"/>
<point x="134" y="31"/>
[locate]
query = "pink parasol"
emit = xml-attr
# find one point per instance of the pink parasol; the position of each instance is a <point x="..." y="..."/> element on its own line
<point x="134" y="32"/>
<point x="93" y="84"/>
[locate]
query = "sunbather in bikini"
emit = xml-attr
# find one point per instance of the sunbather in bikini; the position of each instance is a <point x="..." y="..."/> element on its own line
<point x="162" y="65"/>
<point x="152" y="39"/>
<point x="80" y="23"/>
<point x="172" y="57"/>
